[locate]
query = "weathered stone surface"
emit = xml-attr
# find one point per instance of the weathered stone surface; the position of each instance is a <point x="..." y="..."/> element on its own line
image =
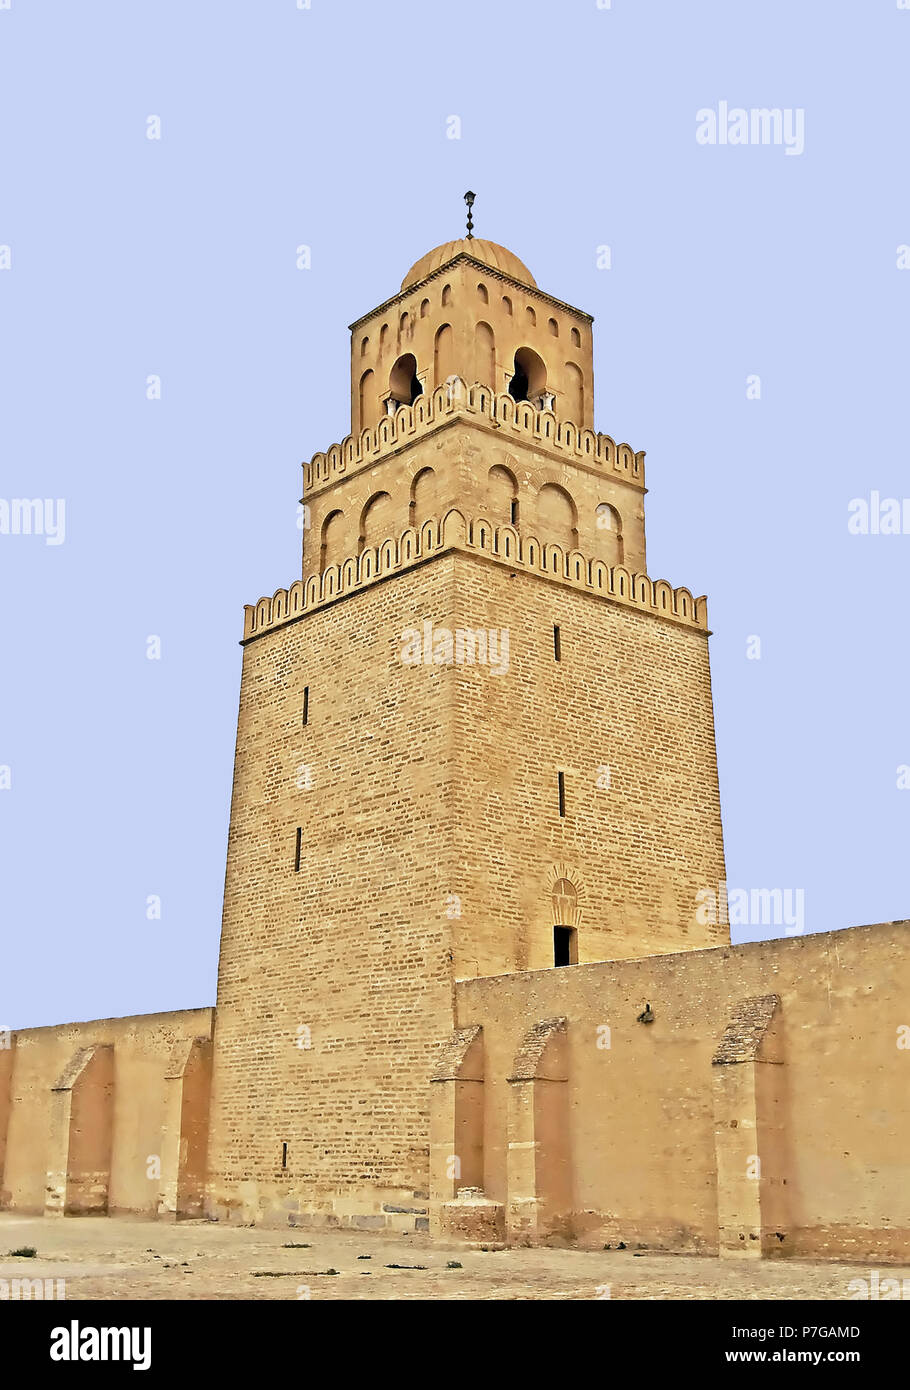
<point x="474" y="1218"/>
<point x="746" y="1030"/>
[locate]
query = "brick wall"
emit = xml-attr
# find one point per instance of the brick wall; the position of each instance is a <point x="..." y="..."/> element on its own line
<point x="334" y="981"/>
<point x="425" y="796"/>
<point x="632" y="694"/>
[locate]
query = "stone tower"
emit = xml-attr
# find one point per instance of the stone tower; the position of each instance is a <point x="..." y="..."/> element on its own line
<point x="474" y="739"/>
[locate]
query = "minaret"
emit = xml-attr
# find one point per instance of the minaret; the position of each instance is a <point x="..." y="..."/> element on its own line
<point x="474" y="738"/>
<point x="471" y="310"/>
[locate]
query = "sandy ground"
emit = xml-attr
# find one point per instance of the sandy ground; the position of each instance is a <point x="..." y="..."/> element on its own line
<point x="118" y="1258"/>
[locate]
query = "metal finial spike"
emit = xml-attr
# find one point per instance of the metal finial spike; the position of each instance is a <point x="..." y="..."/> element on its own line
<point x="469" y="199"/>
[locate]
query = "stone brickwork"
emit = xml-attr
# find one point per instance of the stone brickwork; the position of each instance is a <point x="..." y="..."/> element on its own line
<point x="335" y="983"/>
<point x="426" y="796"/>
<point x="625" y="715"/>
<point x="747" y="1030"/>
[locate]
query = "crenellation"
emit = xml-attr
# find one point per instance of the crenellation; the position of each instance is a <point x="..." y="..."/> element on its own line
<point x="503" y="545"/>
<point x="455" y="399"/>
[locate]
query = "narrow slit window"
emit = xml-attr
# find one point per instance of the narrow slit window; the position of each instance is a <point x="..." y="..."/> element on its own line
<point x="513" y="512"/>
<point x="306" y="704"/>
<point x="284" y="1155"/>
<point x="297" y="847"/>
<point x="557" y="644"/>
<point x="561" y="782"/>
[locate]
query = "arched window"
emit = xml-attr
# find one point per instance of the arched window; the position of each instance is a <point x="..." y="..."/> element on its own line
<point x="444" y="355"/>
<point x="609" y="534"/>
<point x="403" y="323"/>
<point x="531" y="316"/>
<point x="364" y="344"/>
<point x="425" y="501"/>
<point x="403" y="383"/>
<point x="424" y="308"/>
<point x="529" y="377"/>
<point x="331" y="540"/>
<point x="573" y="407"/>
<point x="483" y="295"/>
<point x="375" y="521"/>
<point x="485" y="355"/>
<point x="369" y="405"/>
<point x="553" y="327"/>
<point x="576" y="338"/>
<point x="507" y="304"/>
<point x="502" y="491"/>
<point x="383" y="338"/>
<point x="447" y="294"/>
<point x="557" y="517"/>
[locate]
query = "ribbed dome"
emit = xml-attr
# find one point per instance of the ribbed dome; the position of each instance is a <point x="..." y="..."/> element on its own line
<point x="488" y="251"/>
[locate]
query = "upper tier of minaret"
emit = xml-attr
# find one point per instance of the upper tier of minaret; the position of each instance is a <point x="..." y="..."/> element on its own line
<point x="472" y="309"/>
